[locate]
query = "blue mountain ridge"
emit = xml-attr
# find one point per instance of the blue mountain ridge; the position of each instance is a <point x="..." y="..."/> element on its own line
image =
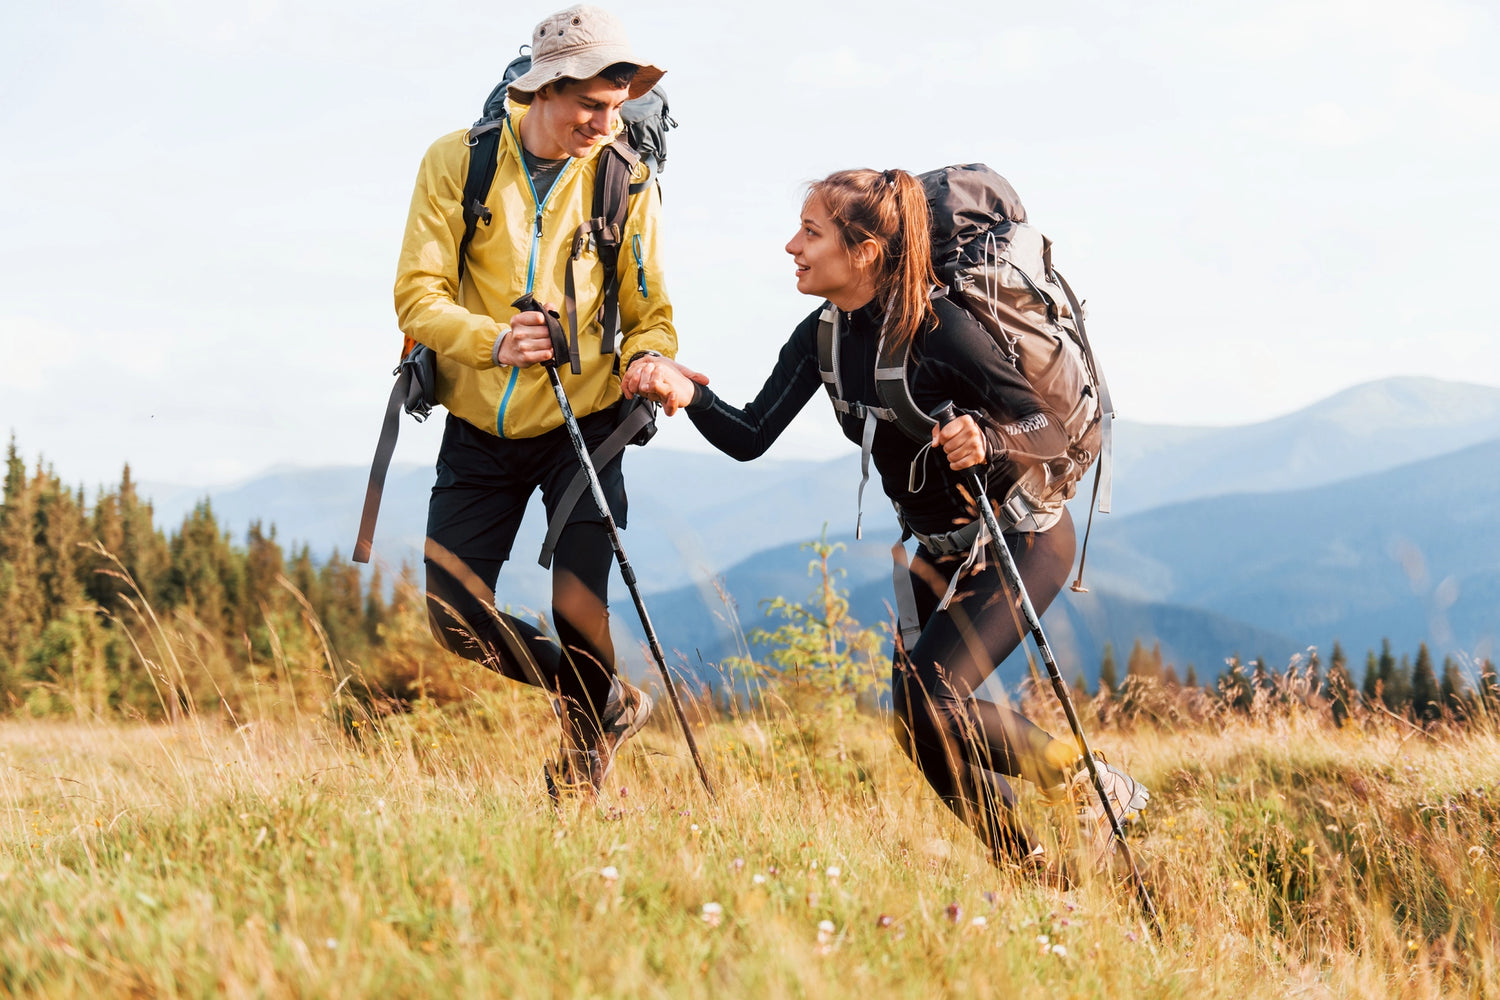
<point x="1356" y="546"/>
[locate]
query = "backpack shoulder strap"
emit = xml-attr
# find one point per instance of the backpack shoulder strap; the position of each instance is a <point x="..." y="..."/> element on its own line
<point x="612" y="204"/>
<point x="828" y="356"/>
<point x="483" y="141"/>
<point x="894" y="393"/>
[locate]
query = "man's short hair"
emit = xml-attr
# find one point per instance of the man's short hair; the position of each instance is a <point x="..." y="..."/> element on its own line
<point x="618" y="74"/>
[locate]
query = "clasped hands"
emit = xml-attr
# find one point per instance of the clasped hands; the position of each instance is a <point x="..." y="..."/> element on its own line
<point x="662" y="380"/>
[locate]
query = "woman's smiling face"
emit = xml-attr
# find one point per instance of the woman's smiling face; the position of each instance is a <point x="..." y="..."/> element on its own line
<point x="824" y="267"/>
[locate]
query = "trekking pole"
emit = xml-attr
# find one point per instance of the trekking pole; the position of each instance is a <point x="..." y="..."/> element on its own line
<point x="580" y="447"/>
<point x="1001" y="554"/>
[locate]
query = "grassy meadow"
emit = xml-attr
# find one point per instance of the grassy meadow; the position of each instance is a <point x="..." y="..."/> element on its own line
<point x="328" y="851"/>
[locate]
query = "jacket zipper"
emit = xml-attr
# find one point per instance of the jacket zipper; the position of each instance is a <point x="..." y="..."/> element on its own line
<point x="536" y="241"/>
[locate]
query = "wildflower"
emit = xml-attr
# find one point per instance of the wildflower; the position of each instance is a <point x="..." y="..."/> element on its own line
<point x="954" y="912"/>
<point x="1060" y="951"/>
<point x="737" y="864"/>
<point x="1237" y="886"/>
<point x="1411" y="945"/>
<point x="758" y="878"/>
<point x="331" y="944"/>
<point x="979" y="922"/>
<point x="1308" y="850"/>
<point x="694" y="829"/>
<point x="833" y="872"/>
<point x="826" y="930"/>
<point x="609" y="873"/>
<point x="713" y="914"/>
<point x="1476" y="852"/>
<point x="989" y="897"/>
<point x="624" y="792"/>
<point x="884" y="920"/>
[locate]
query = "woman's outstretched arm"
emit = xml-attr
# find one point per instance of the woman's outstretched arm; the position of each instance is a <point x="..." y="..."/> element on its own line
<point x="746" y="433"/>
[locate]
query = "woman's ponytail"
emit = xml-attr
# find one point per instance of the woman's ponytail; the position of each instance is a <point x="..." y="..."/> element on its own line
<point x="909" y="276"/>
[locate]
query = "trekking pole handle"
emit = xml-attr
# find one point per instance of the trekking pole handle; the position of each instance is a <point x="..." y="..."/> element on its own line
<point x="945" y="413"/>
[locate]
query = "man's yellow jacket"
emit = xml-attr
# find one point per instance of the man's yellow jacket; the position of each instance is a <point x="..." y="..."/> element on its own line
<point x="508" y="258"/>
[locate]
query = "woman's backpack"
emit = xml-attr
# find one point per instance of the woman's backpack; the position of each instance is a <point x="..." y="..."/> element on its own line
<point x="999" y="268"/>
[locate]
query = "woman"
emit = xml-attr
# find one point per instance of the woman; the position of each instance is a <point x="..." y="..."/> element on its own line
<point x="863" y="246"/>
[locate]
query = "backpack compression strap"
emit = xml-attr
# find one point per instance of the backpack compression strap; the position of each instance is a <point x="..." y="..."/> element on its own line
<point x="1104" y="471"/>
<point x="408" y="393"/>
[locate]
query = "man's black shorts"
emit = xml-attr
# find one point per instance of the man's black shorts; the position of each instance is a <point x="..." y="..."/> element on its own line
<point x="484" y="482"/>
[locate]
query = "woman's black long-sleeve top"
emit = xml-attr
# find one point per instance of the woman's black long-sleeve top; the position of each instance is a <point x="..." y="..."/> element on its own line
<point x="957" y="360"/>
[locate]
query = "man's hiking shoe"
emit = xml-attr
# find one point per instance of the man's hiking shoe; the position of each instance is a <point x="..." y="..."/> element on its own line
<point x="625" y="713"/>
<point x="583" y="768"/>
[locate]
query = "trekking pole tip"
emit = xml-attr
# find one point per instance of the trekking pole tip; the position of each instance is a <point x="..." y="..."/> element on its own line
<point x="1078" y="587"/>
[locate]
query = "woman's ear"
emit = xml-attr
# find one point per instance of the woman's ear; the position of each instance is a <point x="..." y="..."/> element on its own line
<point x="865" y="254"/>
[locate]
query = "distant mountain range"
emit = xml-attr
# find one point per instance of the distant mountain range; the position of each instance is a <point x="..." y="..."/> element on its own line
<point x="1368" y="514"/>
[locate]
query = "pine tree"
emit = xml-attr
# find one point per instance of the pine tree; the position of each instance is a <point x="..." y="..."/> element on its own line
<point x="1395" y="681"/>
<point x="21" y="605"/>
<point x="264" y="566"/>
<point x="1260" y="676"/>
<point x="1453" y="693"/>
<point x="1489" y="687"/>
<point x="1425" y="703"/>
<point x="1371" y="687"/>
<point x="1109" y="681"/>
<point x="1340" y="686"/>
<point x="1143" y="665"/>
<point x="1190" y="679"/>
<point x="143" y="551"/>
<point x="341" y="608"/>
<point x="375" y="610"/>
<point x="207" y="576"/>
<point x="1234" y="686"/>
<point x="1314" y="672"/>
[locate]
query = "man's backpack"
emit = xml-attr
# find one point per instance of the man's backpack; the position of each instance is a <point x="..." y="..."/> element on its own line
<point x="646" y="120"/>
<point x="999" y="268"/>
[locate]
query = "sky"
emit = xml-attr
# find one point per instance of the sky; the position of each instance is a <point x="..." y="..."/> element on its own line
<point x="201" y="203"/>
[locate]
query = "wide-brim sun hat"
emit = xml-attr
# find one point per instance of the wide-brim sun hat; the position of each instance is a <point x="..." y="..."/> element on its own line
<point x="577" y="44"/>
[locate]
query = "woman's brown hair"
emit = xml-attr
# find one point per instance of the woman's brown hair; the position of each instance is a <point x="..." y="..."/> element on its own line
<point x="890" y="208"/>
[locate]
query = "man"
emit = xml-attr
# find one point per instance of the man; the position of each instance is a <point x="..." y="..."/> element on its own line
<point x="504" y="436"/>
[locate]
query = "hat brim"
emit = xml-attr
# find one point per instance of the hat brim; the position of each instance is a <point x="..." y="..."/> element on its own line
<point x="583" y="66"/>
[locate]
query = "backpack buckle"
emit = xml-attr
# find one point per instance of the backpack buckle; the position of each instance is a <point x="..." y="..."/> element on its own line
<point x="858" y="411"/>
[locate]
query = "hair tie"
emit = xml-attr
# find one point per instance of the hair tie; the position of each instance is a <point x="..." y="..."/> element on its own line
<point x="889" y="176"/>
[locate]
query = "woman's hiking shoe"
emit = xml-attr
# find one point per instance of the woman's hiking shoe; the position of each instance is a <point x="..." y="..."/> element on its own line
<point x="1127" y="797"/>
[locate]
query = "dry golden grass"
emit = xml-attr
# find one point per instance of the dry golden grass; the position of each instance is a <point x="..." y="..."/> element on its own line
<point x="419" y="855"/>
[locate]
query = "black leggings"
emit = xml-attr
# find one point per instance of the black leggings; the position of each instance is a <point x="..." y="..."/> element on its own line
<point x="483" y="485"/>
<point x="581" y="669"/>
<point x="966" y="746"/>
